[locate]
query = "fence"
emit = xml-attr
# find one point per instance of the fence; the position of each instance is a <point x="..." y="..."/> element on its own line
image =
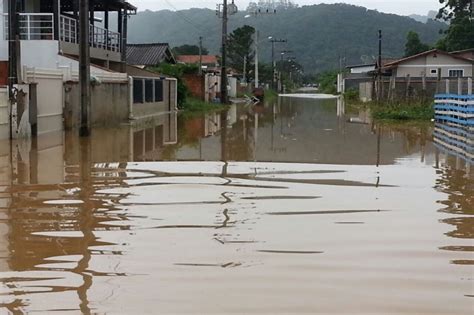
<point x="421" y="88"/>
<point x="454" y="126"/>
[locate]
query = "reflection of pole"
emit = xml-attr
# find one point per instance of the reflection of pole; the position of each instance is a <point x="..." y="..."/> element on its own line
<point x="255" y="137"/>
<point x="84" y="64"/>
<point x="378" y="145"/>
<point x="223" y="119"/>
<point x="86" y="225"/>
<point x="224" y="55"/>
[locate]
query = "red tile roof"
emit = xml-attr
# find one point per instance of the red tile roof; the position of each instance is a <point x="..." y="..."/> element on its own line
<point x="194" y="59"/>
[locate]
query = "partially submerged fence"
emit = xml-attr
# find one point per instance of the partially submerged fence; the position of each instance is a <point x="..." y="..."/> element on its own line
<point x="454" y="126"/>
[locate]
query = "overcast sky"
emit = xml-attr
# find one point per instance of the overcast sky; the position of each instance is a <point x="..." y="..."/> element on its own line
<point x="402" y="7"/>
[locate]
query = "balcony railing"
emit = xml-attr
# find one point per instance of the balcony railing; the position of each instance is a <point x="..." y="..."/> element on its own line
<point x="33" y="26"/>
<point x="40" y="26"/>
<point x="99" y="37"/>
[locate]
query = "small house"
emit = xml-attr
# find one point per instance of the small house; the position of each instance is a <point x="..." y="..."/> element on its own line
<point x="431" y="64"/>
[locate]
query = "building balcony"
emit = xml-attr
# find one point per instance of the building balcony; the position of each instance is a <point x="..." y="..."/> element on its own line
<point x="105" y="44"/>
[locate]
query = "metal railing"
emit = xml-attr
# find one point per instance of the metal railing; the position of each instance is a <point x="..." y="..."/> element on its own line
<point x="33" y="26"/>
<point x="68" y="29"/>
<point x="99" y="37"/>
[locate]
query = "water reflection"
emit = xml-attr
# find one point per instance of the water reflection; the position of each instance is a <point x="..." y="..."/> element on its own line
<point x="87" y="227"/>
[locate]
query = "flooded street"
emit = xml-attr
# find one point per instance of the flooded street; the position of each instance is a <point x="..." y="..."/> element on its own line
<point x="298" y="206"/>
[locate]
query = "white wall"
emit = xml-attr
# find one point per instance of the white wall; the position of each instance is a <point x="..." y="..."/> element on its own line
<point x="49" y="98"/>
<point x="3" y="42"/>
<point x="418" y="66"/>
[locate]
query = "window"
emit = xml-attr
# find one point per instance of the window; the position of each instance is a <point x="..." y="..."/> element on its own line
<point x="434" y="71"/>
<point x="149" y="91"/>
<point x="158" y="91"/>
<point x="138" y="91"/>
<point x="456" y="73"/>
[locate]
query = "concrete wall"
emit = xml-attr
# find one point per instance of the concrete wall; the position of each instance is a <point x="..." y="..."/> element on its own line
<point x="109" y="104"/>
<point x="49" y="98"/>
<point x="424" y="64"/>
<point x="4" y="114"/>
<point x="96" y="53"/>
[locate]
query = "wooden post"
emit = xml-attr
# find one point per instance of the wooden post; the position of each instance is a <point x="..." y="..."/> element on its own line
<point x="469" y="86"/>
<point x="84" y="67"/>
<point x="224" y="55"/>
<point x="124" y="41"/>
<point x="407" y="91"/>
<point x="423" y="93"/>
<point x="438" y="81"/>
<point x="56" y="13"/>
<point x="447" y="86"/>
<point x="459" y="86"/>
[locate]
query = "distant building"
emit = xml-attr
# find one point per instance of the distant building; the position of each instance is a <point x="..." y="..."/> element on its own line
<point x="209" y="62"/>
<point x="364" y="68"/>
<point x="48" y="68"/>
<point x="149" y="55"/>
<point x="429" y="63"/>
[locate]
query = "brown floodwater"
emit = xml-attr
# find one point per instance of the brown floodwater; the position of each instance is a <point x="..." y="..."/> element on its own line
<point x="297" y="206"/>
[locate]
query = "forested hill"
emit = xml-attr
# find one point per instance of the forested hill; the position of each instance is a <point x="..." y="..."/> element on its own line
<point x="318" y="34"/>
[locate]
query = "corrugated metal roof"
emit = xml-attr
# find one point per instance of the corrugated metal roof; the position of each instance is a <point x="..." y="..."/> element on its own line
<point x="149" y="54"/>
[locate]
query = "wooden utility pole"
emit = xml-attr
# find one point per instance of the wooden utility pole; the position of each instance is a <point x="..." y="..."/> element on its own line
<point x="13" y="53"/>
<point x="84" y="67"/>
<point x="224" y="54"/>
<point x="200" y="55"/>
<point x="273" y="41"/>
<point x="379" y="68"/>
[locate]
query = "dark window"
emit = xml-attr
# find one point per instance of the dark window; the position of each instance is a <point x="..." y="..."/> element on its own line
<point x="149" y="91"/>
<point x="137" y="91"/>
<point x="158" y="91"/>
<point x="456" y="73"/>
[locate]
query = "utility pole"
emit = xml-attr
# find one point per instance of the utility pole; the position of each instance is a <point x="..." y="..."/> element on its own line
<point x="13" y="53"/>
<point x="84" y="67"/>
<point x="224" y="55"/>
<point x="282" y="54"/>
<point x="273" y="41"/>
<point x="200" y="55"/>
<point x="379" y="69"/>
<point x="256" y="13"/>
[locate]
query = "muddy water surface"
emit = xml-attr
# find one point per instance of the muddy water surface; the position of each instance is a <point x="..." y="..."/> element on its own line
<point x="295" y="207"/>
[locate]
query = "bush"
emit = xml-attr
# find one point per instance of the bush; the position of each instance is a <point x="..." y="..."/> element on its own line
<point x="400" y="111"/>
<point x="351" y="94"/>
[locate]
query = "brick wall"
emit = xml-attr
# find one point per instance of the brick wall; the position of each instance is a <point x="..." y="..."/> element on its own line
<point x="195" y="84"/>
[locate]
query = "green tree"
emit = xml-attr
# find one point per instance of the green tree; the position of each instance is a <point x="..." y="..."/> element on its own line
<point x="460" y="33"/>
<point x="240" y="49"/>
<point x="414" y="45"/>
<point x="189" y="50"/>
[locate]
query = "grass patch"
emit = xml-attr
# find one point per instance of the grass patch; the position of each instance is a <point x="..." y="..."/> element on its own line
<point x="416" y="111"/>
<point x="196" y="106"/>
<point x="400" y="111"/>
